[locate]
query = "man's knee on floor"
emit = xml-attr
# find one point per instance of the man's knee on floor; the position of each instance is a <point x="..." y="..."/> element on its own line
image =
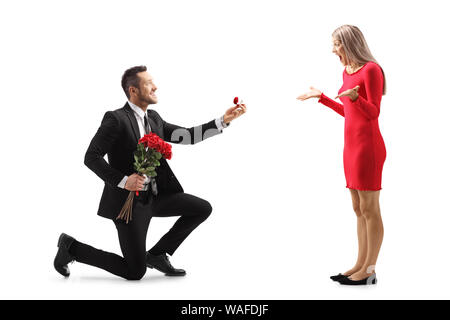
<point x="137" y="273"/>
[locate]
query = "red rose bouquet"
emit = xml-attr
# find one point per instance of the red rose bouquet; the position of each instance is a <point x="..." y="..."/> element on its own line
<point x="149" y="151"/>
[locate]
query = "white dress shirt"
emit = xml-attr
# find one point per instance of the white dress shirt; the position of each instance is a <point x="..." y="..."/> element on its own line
<point x="139" y="114"/>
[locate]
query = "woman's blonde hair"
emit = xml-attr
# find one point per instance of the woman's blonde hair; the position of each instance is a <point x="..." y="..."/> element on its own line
<point x="355" y="47"/>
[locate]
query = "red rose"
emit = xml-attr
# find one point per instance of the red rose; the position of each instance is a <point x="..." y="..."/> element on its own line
<point x="236" y="100"/>
<point x="154" y="142"/>
<point x="167" y="151"/>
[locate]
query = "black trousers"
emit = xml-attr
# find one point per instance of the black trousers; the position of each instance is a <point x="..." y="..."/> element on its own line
<point x="132" y="236"/>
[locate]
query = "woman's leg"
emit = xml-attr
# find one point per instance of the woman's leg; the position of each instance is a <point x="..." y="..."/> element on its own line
<point x="370" y="209"/>
<point x="362" y="234"/>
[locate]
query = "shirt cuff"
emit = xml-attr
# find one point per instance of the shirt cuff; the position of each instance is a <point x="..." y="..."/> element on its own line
<point x="220" y="124"/>
<point x="122" y="182"/>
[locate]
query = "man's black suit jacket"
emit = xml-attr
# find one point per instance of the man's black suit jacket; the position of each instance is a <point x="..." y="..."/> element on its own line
<point x="117" y="137"/>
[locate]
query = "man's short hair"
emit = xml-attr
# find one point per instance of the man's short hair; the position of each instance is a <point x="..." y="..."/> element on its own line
<point x="131" y="79"/>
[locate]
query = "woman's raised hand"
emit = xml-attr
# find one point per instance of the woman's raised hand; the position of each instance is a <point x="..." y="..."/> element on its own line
<point x="351" y="93"/>
<point x="313" y="93"/>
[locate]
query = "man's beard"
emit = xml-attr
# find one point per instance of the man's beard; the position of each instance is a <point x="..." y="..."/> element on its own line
<point x="147" y="99"/>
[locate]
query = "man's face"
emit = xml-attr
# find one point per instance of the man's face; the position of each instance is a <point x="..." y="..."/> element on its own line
<point x="147" y="88"/>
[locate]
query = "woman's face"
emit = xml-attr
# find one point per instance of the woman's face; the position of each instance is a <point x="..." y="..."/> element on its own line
<point x="338" y="49"/>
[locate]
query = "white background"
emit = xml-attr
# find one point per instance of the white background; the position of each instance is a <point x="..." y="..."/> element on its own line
<point x="282" y="219"/>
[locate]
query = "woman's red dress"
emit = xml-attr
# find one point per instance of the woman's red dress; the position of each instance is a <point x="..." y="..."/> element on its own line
<point x="364" y="149"/>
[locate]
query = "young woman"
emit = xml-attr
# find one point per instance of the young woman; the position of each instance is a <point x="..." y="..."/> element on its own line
<point x="364" y="150"/>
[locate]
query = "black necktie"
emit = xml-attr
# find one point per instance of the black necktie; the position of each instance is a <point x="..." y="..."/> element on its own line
<point x="152" y="180"/>
<point x="147" y="127"/>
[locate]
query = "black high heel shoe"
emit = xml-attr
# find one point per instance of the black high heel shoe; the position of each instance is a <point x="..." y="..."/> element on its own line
<point x="338" y="277"/>
<point x="372" y="279"/>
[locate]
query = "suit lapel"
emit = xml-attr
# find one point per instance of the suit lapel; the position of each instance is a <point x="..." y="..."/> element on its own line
<point x="133" y="121"/>
<point x="153" y="126"/>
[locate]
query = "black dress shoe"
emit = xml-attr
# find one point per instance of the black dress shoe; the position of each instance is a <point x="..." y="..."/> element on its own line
<point x="372" y="279"/>
<point x="338" y="277"/>
<point x="162" y="263"/>
<point x="63" y="257"/>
